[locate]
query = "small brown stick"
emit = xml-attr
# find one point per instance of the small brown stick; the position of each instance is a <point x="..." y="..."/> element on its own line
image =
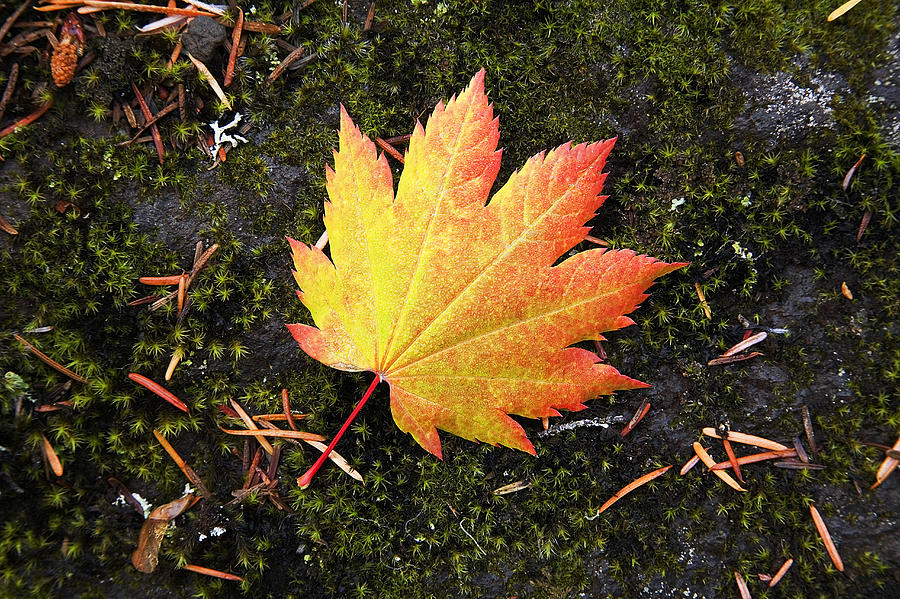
<point x="159" y="390"/>
<point x="17" y="45"/>
<point x="235" y="42"/>
<point x="27" y="120"/>
<point x="732" y="459"/>
<point x="745" y="439"/>
<point x="150" y="123"/>
<point x="732" y="359"/>
<point x="706" y="311"/>
<point x="211" y="572"/>
<point x="390" y="150"/>
<point x="709" y="462"/>
<point x="211" y="81"/>
<point x="8" y="228"/>
<point x="51" y="457"/>
<point x="10" y="87"/>
<point x="781" y="572"/>
<point x="748" y="342"/>
<point x="638" y="416"/>
<point x="863" y="224"/>
<point x="50" y="361"/>
<point x="285" y="403"/>
<point x="826" y="538"/>
<point x="148" y="116"/>
<point x="756" y="457"/>
<point x="288" y="61"/>
<point x="277" y="432"/>
<point x="594" y="240"/>
<point x="252" y="426"/>
<point x="169" y="280"/>
<point x="742" y="585"/>
<point x="631" y="487"/>
<point x="184" y="467"/>
<point x="13" y="18"/>
<point x="807" y="427"/>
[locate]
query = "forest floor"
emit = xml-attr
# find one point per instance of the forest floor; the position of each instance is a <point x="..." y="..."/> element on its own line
<point x="737" y="127"/>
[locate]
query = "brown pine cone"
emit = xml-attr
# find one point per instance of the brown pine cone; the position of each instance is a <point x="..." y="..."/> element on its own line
<point x="63" y="63"/>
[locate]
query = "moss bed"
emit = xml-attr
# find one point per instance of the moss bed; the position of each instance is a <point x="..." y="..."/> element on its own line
<point x="771" y="236"/>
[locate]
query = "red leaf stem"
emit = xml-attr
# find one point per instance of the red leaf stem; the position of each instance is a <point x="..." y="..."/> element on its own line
<point x="304" y="480"/>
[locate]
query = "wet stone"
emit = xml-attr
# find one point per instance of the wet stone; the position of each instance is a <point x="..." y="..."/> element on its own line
<point x="203" y="37"/>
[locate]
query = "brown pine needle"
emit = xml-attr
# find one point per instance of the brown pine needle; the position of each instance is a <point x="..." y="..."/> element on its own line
<point x="689" y="465"/>
<point x="211" y="81"/>
<point x="706" y="311"/>
<point x="169" y="280"/>
<point x="756" y="457"/>
<point x="284" y="64"/>
<point x="235" y="43"/>
<point x="638" y="416"/>
<point x="732" y="359"/>
<point x="27" y="120"/>
<point x="279" y="417"/>
<point x="841" y="10"/>
<point x="807" y="427"/>
<point x="519" y="485"/>
<point x="887" y="466"/>
<point x="176" y="358"/>
<point x="826" y="538"/>
<point x="8" y="228"/>
<point x="159" y="390"/>
<point x="338" y="460"/>
<point x="742" y="585"/>
<point x="187" y="470"/>
<point x="51" y="457"/>
<point x="732" y="459"/>
<point x="50" y="361"/>
<point x="781" y="572"/>
<point x="148" y="116"/>
<point x="87" y="5"/>
<point x="211" y="572"/>
<point x="252" y="426"/>
<point x="270" y="432"/>
<point x="746" y="439"/>
<point x="286" y="404"/>
<point x="748" y="342"/>
<point x="389" y="149"/>
<point x="709" y="463"/>
<point x="631" y="487"/>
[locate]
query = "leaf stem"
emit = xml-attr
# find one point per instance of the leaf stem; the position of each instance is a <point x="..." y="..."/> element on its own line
<point x="306" y="479"/>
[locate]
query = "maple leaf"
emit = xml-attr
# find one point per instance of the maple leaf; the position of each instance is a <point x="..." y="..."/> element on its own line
<point x="458" y="302"/>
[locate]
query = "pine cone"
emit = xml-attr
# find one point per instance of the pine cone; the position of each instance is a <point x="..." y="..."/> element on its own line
<point x="63" y="63"/>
